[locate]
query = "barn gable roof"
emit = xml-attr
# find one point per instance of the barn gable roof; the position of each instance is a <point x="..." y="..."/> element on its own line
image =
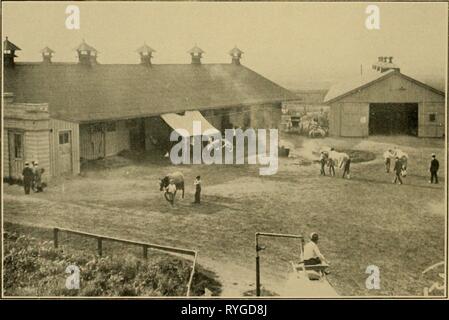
<point x="107" y="92"/>
<point x="349" y="87"/>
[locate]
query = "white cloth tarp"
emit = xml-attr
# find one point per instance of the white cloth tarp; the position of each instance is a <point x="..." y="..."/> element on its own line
<point x="186" y="121"/>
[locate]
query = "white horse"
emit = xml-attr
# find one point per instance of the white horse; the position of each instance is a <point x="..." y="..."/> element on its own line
<point x="338" y="157"/>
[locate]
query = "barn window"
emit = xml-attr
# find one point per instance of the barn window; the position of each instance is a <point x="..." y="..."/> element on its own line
<point x="18" y="145"/>
<point x="432" y="117"/>
<point x="63" y="137"/>
<point x="111" y="127"/>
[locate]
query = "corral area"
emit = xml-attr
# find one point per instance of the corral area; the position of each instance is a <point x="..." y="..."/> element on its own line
<point x="363" y="221"/>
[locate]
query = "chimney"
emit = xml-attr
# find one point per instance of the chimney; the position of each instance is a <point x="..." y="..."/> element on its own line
<point x="390" y="59"/>
<point x="47" y="54"/>
<point x="9" y="50"/>
<point x="197" y="54"/>
<point x="385" y="64"/>
<point x="236" y="55"/>
<point x="87" y="55"/>
<point x="146" y="53"/>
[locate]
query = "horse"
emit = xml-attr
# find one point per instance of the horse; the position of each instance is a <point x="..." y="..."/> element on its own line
<point x="178" y="179"/>
<point x="338" y="157"/>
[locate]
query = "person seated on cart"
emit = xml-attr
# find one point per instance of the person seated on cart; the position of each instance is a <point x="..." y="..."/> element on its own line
<point x="312" y="254"/>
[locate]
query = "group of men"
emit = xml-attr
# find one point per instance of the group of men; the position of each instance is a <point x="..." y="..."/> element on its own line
<point x="32" y="177"/>
<point x="400" y="159"/>
<point x="332" y="158"/>
<point x="170" y="191"/>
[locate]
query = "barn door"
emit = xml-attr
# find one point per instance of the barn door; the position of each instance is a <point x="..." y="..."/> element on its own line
<point x="65" y="152"/>
<point x="16" y="153"/>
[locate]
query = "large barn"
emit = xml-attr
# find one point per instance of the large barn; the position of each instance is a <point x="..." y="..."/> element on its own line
<point x="387" y="102"/>
<point x="87" y="110"/>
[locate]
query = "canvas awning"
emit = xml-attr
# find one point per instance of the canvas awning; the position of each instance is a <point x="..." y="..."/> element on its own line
<point x="186" y="121"/>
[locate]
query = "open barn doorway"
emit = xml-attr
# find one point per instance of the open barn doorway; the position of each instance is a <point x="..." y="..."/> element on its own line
<point x="393" y="118"/>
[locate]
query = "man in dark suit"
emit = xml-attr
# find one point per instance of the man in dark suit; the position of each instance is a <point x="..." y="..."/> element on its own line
<point x="28" y="176"/>
<point x="434" y="166"/>
<point x="397" y="171"/>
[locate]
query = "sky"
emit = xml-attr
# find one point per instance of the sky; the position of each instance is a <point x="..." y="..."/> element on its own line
<point x="298" y="45"/>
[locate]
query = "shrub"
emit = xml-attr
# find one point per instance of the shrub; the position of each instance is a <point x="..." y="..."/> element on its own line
<point x="34" y="267"/>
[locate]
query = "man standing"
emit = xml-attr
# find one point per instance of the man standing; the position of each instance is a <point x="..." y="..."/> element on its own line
<point x="434" y="166"/>
<point x="331" y="164"/>
<point x="346" y="167"/>
<point x="28" y="176"/>
<point x="397" y="170"/>
<point x="197" y="184"/>
<point x="388" y="155"/>
<point x="37" y="177"/>
<point x="323" y="160"/>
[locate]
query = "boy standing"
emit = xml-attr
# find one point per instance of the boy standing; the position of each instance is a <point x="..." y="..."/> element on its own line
<point x="171" y="192"/>
<point x="197" y="184"/>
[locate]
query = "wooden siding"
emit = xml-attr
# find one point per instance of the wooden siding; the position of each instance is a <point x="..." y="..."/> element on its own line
<point x="345" y="120"/>
<point x="335" y="119"/>
<point x="37" y="148"/>
<point x="427" y="128"/>
<point x="90" y="150"/>
<point x="31" y="121"/>
<point x="354" y="123"/>
<point x="103" y="143"/>
<point x="58" y="126"/>
<point x="117" y="140"/>
<point x="5" y="146"/>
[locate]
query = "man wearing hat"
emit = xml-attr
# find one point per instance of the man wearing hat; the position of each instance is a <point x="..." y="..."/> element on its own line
<point x="312" y="254"/>
<point x="434" y="166"/>
<point x="37" y="177"/>
<point x="28" y="176"/>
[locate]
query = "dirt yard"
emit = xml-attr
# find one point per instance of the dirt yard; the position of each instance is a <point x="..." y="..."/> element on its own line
<point x="363" y="221"/>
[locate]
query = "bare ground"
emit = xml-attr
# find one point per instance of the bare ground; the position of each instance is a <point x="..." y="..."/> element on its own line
<point x="363" y="221"/>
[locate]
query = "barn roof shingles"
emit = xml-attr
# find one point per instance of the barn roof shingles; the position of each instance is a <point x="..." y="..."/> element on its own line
<point x="119" y="91"/>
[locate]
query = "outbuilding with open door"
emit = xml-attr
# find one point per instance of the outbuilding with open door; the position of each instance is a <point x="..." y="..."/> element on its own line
<point x="386" y="103"/>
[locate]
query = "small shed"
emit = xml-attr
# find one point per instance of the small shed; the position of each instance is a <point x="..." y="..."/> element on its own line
<point x="31" y="135"/>
<point x="384" y="104"/>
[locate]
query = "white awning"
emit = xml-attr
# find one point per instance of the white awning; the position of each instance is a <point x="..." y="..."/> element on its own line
<point x="186" y="123"/>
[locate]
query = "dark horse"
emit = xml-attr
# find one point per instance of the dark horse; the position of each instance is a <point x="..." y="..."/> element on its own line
<point x="178" y="179"/>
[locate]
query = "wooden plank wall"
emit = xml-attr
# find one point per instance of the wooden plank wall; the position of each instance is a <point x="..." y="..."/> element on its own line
<point x="62" y="125"/>
<point x="37" y="148"/>
<point x="35" y="145"/>
<point x="5" y="146"/>
<point x="354" y="123"/>
<point x="118" y="140"/>
<point x="427" y="128"/>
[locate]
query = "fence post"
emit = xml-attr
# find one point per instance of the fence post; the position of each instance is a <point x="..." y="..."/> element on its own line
<point x="100" y="246"/>
<point x="145" y="252"/>
<point x="55" y="236"/>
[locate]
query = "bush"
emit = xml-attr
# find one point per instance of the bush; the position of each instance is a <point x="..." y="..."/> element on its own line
<point x="34" y="267"/>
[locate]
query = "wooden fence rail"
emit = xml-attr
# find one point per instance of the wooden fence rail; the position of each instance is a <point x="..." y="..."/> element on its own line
<point x="144" y="246"/>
